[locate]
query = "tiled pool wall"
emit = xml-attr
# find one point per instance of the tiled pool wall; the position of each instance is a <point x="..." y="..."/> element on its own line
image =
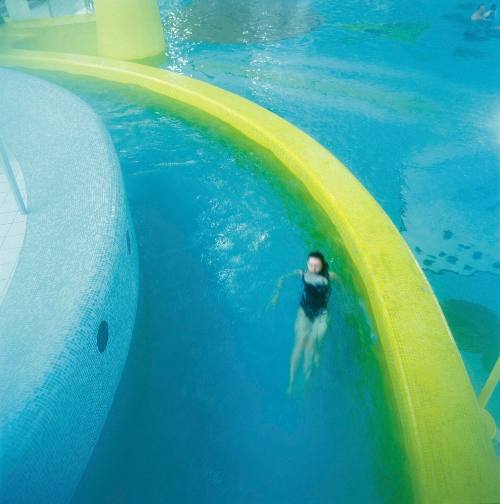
<point x="67" y="318"/>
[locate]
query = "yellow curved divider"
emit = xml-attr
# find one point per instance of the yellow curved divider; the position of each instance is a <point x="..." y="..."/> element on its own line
<point x="450" y="457"/>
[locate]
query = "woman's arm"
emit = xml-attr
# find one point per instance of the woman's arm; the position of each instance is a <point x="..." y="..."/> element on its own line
<point x="275" y="298"/>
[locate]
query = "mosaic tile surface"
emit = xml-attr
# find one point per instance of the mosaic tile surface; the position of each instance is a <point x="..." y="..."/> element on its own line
<point x="59" y="368"/>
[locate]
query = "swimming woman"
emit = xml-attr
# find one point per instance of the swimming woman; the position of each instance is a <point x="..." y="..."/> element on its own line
<point x="312" y="316"/>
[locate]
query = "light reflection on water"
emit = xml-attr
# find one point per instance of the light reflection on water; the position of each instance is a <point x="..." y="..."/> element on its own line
<point x="237" y="22"/>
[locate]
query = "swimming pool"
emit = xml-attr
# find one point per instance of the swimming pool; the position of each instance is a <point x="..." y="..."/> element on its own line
<point x="355" y="79"/>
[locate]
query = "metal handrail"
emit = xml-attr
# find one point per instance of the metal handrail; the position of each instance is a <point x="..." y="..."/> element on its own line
<point x="485" y="396"/>
<point x="11" y="178"/>
<point x="490" y="385"/>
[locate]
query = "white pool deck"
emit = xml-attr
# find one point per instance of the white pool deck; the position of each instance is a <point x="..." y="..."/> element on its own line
<point x="12" y="227"/>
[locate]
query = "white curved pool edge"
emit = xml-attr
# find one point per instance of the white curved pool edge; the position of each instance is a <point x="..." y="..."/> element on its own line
<point x="77" y="273"/>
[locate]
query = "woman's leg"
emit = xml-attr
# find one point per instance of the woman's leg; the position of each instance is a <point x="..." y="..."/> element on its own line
<point x="308" y="355"/>
<point x="302" y="335"/>
<point x="312" y="350"/>
<point x="318" y="332"/>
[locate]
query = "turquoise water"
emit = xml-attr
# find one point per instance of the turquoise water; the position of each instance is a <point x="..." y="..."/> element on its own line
<point x="201" y="414"/>
<point x="406" y="95"/>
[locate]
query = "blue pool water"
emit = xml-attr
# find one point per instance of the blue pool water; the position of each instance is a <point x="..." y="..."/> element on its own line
<point x="201" y="414"/>
<point x="405" y="95"/>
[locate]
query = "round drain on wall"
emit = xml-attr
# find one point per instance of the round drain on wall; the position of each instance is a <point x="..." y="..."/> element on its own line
<point x="128" y="243"/>
<point x="102" y="336"/>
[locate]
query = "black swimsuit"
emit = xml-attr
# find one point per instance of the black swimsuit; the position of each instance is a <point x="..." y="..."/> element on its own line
<point x="314" y="297"/>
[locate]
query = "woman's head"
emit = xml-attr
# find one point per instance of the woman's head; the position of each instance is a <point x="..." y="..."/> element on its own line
<point x="316" y="263"/>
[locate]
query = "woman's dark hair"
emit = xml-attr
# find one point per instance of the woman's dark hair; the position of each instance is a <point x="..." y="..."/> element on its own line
<point x="318" y="255"/>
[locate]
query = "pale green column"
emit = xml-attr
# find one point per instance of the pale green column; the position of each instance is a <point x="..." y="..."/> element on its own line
<point x="128" y="29"/>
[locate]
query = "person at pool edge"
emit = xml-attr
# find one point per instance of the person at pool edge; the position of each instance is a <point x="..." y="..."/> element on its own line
<point x="483" y="14"/>
<point x="312" y="315"/>
<point x="479" y="13"/>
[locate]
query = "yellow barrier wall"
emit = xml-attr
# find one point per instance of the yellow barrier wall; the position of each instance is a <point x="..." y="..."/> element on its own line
<point x="450" y="456"/>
